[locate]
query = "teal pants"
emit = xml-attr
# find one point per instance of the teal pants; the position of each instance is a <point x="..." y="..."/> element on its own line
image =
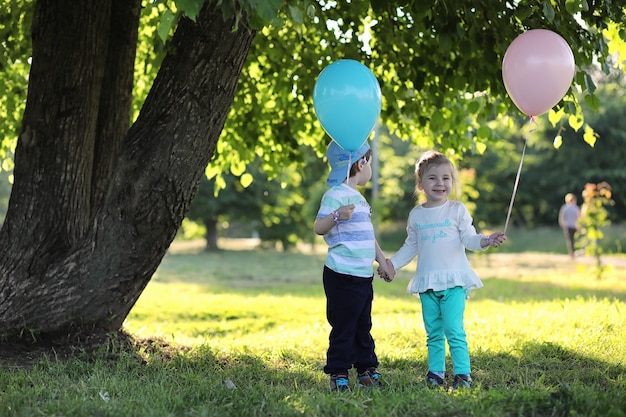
<point x="443" y="319"/>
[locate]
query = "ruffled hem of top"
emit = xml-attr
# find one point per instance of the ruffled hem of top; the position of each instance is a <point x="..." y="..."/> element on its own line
<point x="439" y="281"/>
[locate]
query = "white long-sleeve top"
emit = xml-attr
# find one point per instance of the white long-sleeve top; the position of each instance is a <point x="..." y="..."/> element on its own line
<point x="438" y="236"/>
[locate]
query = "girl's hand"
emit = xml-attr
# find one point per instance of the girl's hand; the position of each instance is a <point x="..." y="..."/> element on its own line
<point x="496" y="239"/>
<point x="386" y="270"/>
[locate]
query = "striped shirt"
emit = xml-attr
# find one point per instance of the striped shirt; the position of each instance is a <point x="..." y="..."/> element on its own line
<point x="351" y="243"/>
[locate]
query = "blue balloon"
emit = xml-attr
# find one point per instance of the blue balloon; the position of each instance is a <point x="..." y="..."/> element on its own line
<point x="347" y="101"/>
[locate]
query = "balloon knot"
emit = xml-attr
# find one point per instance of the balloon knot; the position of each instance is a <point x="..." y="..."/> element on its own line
<point x="533" y="124"/>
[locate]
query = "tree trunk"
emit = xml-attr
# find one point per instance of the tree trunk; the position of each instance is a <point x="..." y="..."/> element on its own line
<point x="211" y="233"/>
<point x="96" y="203"/>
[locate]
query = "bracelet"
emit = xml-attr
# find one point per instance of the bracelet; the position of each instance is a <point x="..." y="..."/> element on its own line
<point x="335" y="215"/>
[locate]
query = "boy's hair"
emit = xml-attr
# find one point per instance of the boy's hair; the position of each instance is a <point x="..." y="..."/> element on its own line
<point x="354" y="168"/>
<point x="427" y="161"/>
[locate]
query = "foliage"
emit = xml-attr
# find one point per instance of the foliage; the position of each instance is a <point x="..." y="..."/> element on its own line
<point x="548" y="172"/>
<point x="15" y="22"/>
<point x="594" y="218"/>
<point x="438" y="64"/>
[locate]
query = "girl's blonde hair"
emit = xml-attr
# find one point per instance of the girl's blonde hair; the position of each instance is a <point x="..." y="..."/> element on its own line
<point x="428" y="160"/>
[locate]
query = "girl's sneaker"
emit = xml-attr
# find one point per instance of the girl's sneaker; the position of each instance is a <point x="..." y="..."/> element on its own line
<point x="339" y="382"/>
<point x="433" y="380"/>
<point x="462" y="381"/>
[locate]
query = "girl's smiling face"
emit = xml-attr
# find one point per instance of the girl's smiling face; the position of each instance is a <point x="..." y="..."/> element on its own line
<point x="436" y="184"/>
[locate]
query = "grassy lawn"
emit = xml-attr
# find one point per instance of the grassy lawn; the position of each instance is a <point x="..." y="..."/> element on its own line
<point x="249" y="334"/>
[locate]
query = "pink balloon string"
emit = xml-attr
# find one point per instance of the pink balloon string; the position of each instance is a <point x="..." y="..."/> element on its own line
<point x="531" y="128"/>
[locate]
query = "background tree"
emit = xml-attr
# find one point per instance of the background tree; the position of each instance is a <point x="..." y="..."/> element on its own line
<point x="98" y="196"/>
<point x="594" y="218"/>
<point x="235" y="204"/>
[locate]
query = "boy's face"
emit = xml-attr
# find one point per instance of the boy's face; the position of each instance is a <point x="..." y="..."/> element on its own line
<point x="365" y="171"/>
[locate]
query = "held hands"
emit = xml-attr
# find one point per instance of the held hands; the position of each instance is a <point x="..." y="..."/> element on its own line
<point x="386" y="270"/>
<point x="495" y="239"/>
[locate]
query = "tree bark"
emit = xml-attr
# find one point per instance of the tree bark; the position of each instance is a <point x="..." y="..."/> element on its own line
<point x="96" y="203"/>
<point x="211" y="234"/>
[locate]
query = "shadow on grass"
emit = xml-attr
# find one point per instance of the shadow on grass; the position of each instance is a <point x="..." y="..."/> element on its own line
<point x="151" y="378"/>
<point x="538" y="379"/>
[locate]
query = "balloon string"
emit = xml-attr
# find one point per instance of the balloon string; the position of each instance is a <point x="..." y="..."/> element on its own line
<point x="531" y="128"/>
<point x="348" y="175"/>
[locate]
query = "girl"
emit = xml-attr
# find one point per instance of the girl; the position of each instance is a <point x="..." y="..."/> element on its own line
<point x="438" y="232"/>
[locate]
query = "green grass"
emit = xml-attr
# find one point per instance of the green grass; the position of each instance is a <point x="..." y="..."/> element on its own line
<point x="546" y="339"/>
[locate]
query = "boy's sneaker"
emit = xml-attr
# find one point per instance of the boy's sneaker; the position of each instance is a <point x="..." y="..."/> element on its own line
<point x="338" y="382"/>
<point x="462" y="381"/>
<point x="433" y="380"/>
<point x="370" y="378"/>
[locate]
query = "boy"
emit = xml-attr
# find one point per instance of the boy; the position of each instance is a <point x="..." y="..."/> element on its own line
<point x="344" y="219"/>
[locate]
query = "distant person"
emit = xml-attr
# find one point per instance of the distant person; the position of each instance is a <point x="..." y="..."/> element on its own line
<point x="569" y="214"/>
<point x="438" y="232"/>
<point x="344" y="219"/>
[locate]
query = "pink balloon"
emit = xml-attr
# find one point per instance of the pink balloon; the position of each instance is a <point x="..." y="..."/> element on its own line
<point x="538" y="69"/>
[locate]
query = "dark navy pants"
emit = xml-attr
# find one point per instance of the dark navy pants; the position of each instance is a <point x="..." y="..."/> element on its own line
<point x="349" y="313"/>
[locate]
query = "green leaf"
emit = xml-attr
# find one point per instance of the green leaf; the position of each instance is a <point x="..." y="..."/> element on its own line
<point x="589" y="84"/>
<point x="590" y="136"/>
<point x="593" y="102"/>
<point x="190" y="8"/>
<point x="473" y="107"/>
<point x="548" y="11"/>
<point x="584" y="5"/>
<point x="165" y="24"/>
<point x="246" y="179"/>
<point x="296" y="14"/>
<point x="238" y="168"/>
<point x="483" y="132"/>
<point x="572" y="6"/>
<point x="576" y="122"/>
<point x="555" y="116"/>
<point x="268" y="9"/>
<point x="437" y="120"/>
<point x="558" y="141"/>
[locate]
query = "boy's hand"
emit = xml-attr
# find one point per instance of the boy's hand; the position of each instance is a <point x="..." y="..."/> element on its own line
<point x="345" y="212"/>
<point x="386" y="270"/>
